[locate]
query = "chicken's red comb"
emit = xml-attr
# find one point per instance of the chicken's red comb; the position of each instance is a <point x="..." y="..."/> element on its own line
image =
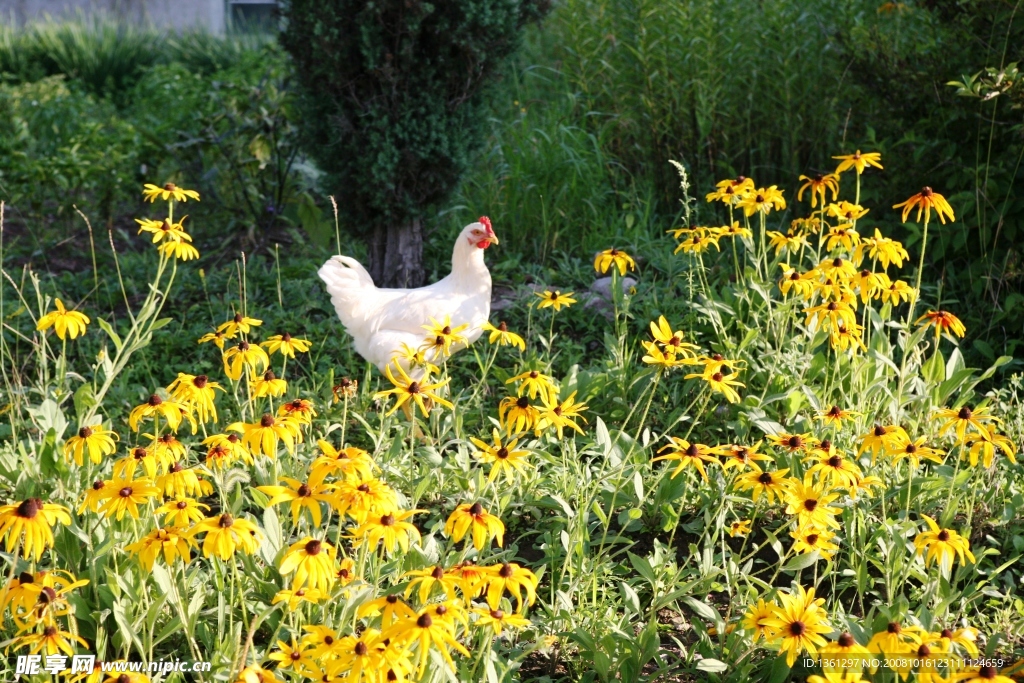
<point x="486" y="222"/>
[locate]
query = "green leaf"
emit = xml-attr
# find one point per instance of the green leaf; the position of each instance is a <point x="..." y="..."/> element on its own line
<point x="801" y="562"/>
<point x="105" y="326"/>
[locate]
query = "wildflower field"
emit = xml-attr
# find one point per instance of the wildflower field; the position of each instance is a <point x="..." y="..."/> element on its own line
<point x="792" y="476"/>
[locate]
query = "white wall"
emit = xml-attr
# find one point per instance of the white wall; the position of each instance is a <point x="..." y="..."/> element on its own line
<point x="172" y="14"/>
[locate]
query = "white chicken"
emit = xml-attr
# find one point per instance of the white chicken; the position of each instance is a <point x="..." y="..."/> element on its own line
<point x="382" y="320"/>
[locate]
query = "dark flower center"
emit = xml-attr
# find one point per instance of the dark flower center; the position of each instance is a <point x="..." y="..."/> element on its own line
<point x="759" y="198"/>
<point x="765" y="478"/>
<point x="441" y="610"/>
<point x="303" y="490"/>
<point x="825" y="445"/>
<point x="125" y="678"/>
<point x="533" y="374"/>
<point x="505" y="571"/>
<point x="943" y="536"/>
<point x="988" y="672"/>
<point x="387" y="520"/>
<point x="47" y="595"/>
<point x="794" y="275"/>
<point x="238" y="317"/>
<point x="424" y="621"/>
<point x="392" y="599"/>
<point x="269" y="376"/>
<point x="946" y="633"/>
<point x="84" y="433"/>
<point x="523" y="402"/>
<point x="243" y="346"/>
<point x="313" y="547"/>
<point x="365" y="488"/>
<point x="344" y="574"/>
<point x="497" y="614"/>
<point x="155" y="400"/>
<point x="437" y="573"/>
<point x="439" y="340"/>
<point x="476" y="509"/>
<point x="328" y="640"/>
<point x="965" y="413"/>
<point x="832" y="306"/>
<point x="718" y="377"/>
<point x="360" y="649"/>
<point x="126" y="492"/>
<point x="28" y="509"/>
<point x="414" y="388"/>
<point x="233" y="438"/>
<point x="926" y="191"/>
<point x="924" y="651"/>
<point x="175" y="467"/>
<point x="286" y="337"/>
<point x="797" y="628"/>
<point x="911" y="448"/>
<point x="795" y="442"/>
<point x="200" y="381"/>
<point x="893" y="628"/>
<point x="502" y="326"/>
<point x="865" y="273"/>
<point x="812" y="539"/>
<point x="810" y="504"/>
<point x="267" y="420"/>
<point x="845" y="640"/>
<point x="226" y="521"/>
<point x="502" y="453"/>
<point x="692" y="451"/>
<point x="835" y="461"/>
<point x="98" y="485"/>
<point x="879" y="430"/>
<point x="182" y="504"/>
<point x="24" y="578"/>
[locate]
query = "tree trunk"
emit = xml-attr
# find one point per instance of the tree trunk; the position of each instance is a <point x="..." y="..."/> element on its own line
<point x="396" y="254"/>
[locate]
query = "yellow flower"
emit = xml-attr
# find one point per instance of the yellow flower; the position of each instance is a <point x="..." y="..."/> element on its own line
<point x="295" y="657"/>
<point x="298" y="597"/>
<point x="361" y="498"/>
<point x="819" y="186"/>
<point x="196" y="391"/>
<point x="843" y="236"/>
<point x="97" y="440"/>
<point x="405" y="388"/>
<point x="988" y="446"/>
<point x="914" y="450"/>
<point x="534" y="383"/>
<point x="484" y="525"/>
<point x="882" y="439"/>
<point x="263" y="436"/>
<point x="687" y="454"/>
<point x="183" y="251"/>
<point x="897" y="291"/>
<point x="441" y="336"/>
<point x="182" y="511"/>
<point x="301" y="495"/>
<point x="560" y="414"/>
<point x="216" y="337"/>
<point x="125" y="495"/>
<point x="182" y="481"/>
<point x="763" y="200"/>
<point x="346" y="388"/>
<point x="497" y="619"/>
<point x="843" y="337"/>
<point x="943" y="545"/>
<point x="93" y="497"/>
<point x="555" y="299"/>
<point x="224" y="449"/>
<point x="614" y="257"/>
<point x="882" y="248"/>
<point x="64" y="322"/>
<point x="313" y="562"/>
<point x="390" y="528"/>
<point x="836" y="416"/>
<point x="671" y="340"/>
<point x="721" y="383"/>
<point x="801" y="283"/>
<point x="964" y="417"/>
<point x="301" y="409"/>
<point x="740" y="527"/>
<point x="390" y="608"/>
<point x="267" y="384"/>
<point x="33" y="519"/>
<point x="943" y="321"/>
<point x="350" y="463"/>
<point x="792" y="244"/>
<point x="239" y="323"/>
<point x="513" y="578"/>
<point x="799" y="624"/>
<point x="50" y="641"/>
<point x="771" y="484"/>
<point x="926" y="200"/>
<point x="168" y="191"/>
<point x="164" y="230"/>
<point x="844" y="659"/>
<point x="846" y="211"/>
<point x="519" y="412"/>
<point x="425" y="579"/>
<point x="808" y="539"/>
<point x="286" y="344"/>
<point x="741" y="457"/>
<point x="832" y="467"/>
<point x="504" y="458"/>
<point x="170" y="542"/>
<point x="698" y="242"/>
<point x="225" y="534"/>
<point x="733" y="230"/>
<point x="830" y="315"/>
<point x="171" y="411"/>
<point x="502" y="336"/>
<point x="809" y="502"/>
<point x="656" y="356"/>
<point x="730" y="192"/>
<point x="244" y="355"/>
<point x="415" y="359"/>
<point x="858" y="161"/>
<point x="256" y="674"/>
<point x="757" y="617"/>
<point x="360" y="656"/>
<point x="427" y="629"/>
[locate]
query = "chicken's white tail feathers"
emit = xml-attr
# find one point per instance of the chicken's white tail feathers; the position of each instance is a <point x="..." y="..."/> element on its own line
<point x="352" y="291"/>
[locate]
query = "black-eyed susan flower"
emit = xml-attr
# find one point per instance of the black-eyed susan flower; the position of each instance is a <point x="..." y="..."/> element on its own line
<point x="171" y="543"/>
<point x="614" y="257"/>
<point x="415" y="360"/>
<point x="294" y="656"/>
<point x="389" y="529"/>
<point x="721" y="383"/>
<point x="362" y="498"/>
<point x="555" y="299"/>
<point x="762" y="200"/>
<point x="534" y="383"/>
<point x="792" y="244"/>
<point x="986" y="447"/>
<point x="820" y="185"/>
<point x="835" y="417"/>
<point x="809" y="539"/>
<point x="687" y="454"/>
<point x="925" y="201"/>
<point x="810" y="503"/>
<point x="944" y="321"/>
<point x="511" y="577"/>
<point x="424" y="581"/>
<point x="65" y="323"/>
<point x="963" y="418"/>
<point x="733" y="230"/>
<point x="502" y="456"/>
<point x="739" y="456"/>
<point x="298" y="597"/>
<point x="300" y="409"/>
<point x="238" y="324"/>
<point x="441" y="337"/>
<point x="799" y="624"/>
<point x="846" y="211"/>
<point x="844" y="659"/>
<point x="323" y="640"/>
<point x="31" y="523"/>
<point x="49" y="641"/>
<point x="22" y="592"/>
<point x="794" y="442"/>
<point x="242" y="356"/>
<point x="346" y="573"/>
<point x="830" y="465"/>
<point x="942" y="546"/>
<point x="360" y="656"/>
<point x="226" y="534"/>
<point x="760" y="482"/>
<point x="560" y="414"/>
<point x="915" y="450"/>
<point x="301" y="495"/>
<point x="390" y="608"/>
<point x="883" y="249"/>
<point x="345" y="388"/>
<point x="502" y="336"/>
<point x="881" y="439"/>
<point x="169" y="191"/>
<point x="845" y="337"/>
<point x="517" y="412"/>
<point x="93" y="497"/>
<point x="164" y="230"/>
<point x="216" y="337"/>
<point x="755" y="620"/>
<point x="179" y="480"/>
<point x="313" y="562"/>
<point x="267" y="385"/>
<point x="264" y="436"/>
<point x="257" y="674"/>
<point x="286" y="345"/>
<point x="843" y="235"/>
<point x="858" y="161"/>
<point x="802" y="284"/>
<point x="183" y="251"/>
<point x="983" y="674"/>
<point x="427" y="630"/>
<point x="473" y="517"/>
<point x="730" y="192"/>
<point x="671" y="340"/>
<point x="739" y="527"/>
<point x="156" y="407"/>
<point x="225" y="449"/>
<point x="472" y="579"/>
<point x="497" y="620"/>
<point x="698" y="241"/>
<point x="897" y="291"/>
<point x="869" y="284"/>
<point x="407" y="389"/>
<point x="138" y="457"/>
<point x="92" y="438"/>
<point x="655" y="355"/>
<point x="126" y="495"/>
<point x="348" y="463"/>
<point x="196" y="392"/>
<point x="964" y="639"/>
<point x="864" y="485"/>
<point x="182" y="512"/>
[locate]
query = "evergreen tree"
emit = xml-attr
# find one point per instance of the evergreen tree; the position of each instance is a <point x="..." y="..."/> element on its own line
<point x="393" y="97"/>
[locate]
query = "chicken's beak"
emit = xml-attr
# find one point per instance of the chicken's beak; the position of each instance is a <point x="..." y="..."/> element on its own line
<point x="493" y="239"/>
